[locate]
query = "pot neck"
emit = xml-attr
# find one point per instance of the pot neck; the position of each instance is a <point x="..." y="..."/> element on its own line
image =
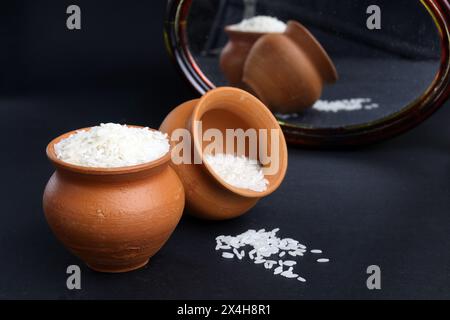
<point x="240" y="36"/>
<point x="129" y="173"/>
<point x="140" y="171"/>
<point x="111" y="177"/>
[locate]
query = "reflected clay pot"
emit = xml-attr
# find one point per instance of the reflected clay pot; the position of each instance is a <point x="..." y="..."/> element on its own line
<point x="234" y="54"/>
<point x="288" y="71"/>
<point x="207" y="195"/>
<point x="113" y="219"/>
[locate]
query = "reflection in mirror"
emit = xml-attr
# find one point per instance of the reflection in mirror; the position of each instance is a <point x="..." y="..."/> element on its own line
<point x="318" y="63"/>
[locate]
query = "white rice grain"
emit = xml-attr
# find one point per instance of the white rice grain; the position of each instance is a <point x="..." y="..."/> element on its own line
<point x="239" y="172"/>
<point x="278" y="270"/>
<point x="263" y="24"/>
<point x="112" y="145"/>
<point x="265" y="245"/>
<point x="227" y="255"/>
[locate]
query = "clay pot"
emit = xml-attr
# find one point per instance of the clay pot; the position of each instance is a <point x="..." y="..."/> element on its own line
<point x="207" y="195"/>
<point x="288" y="71"/>
<point x="234" y="54"/>
<point x="113" y="219"/>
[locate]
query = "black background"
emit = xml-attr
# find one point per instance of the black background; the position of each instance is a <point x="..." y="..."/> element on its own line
<point x="386" y="204"/>
<point x="407" y="29"/>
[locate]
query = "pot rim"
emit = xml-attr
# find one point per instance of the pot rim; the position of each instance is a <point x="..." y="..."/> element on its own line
<point x="60" y="164"/>
<point x="230" y="31"/>
<point x="197" y="115"/>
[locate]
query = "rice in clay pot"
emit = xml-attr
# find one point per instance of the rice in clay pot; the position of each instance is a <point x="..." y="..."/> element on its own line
<point x="114" y="218"/>
<point x="208" y="194"/>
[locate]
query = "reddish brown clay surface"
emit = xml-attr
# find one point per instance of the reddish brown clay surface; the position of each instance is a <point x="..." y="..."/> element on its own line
<point x="207" y="195"/>
<point x="113" y="219"/>
<point x="234" y="55"/>
<point x="288" y="71"/>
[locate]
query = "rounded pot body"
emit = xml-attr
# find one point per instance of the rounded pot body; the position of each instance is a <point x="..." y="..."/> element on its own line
<point x="288" y="71"/>
<point x="207" y="195"/>
<point x="234" y="55"/>
<point x="282" y="75"/>
<point x="114" y="220"/>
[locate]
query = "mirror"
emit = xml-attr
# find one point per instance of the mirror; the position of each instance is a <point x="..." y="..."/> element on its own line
<point x="333" y="72"/>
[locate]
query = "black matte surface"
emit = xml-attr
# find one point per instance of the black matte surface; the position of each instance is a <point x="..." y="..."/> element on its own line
<point x="392" y="84"/>
<point x="386" y="204"/>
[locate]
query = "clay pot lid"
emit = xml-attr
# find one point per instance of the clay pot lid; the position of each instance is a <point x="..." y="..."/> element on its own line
<point x="51" y="154"/>
<point x="312" y="47"/>
<point x="254" y="106"/>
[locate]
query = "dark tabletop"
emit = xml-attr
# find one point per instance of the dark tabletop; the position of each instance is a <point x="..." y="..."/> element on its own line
<point x="386" y="205"/>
